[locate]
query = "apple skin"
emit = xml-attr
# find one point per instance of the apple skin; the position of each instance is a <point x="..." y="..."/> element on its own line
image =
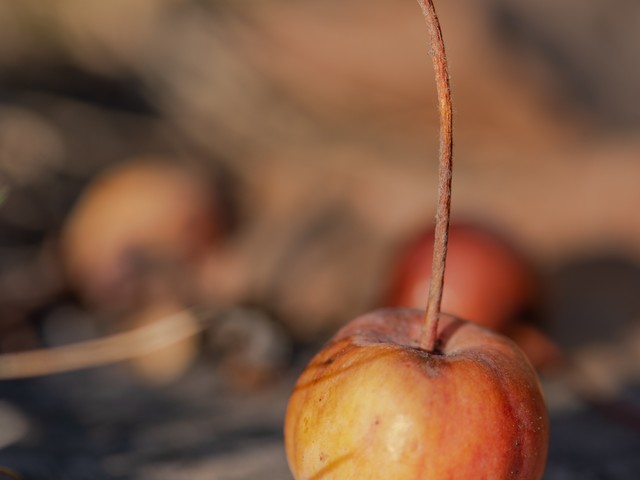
<point x="373" y="405"/>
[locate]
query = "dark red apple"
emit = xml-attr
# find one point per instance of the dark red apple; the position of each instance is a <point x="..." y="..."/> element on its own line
<point x="487" y="281"/>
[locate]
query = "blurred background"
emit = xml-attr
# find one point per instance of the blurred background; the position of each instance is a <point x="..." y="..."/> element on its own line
<point x="232" y="181"/>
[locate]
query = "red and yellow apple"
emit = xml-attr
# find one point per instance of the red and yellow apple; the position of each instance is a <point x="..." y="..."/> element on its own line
<point x="373" y="405"/>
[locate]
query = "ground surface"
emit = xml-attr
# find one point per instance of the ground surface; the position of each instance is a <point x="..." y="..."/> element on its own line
<point x="99" y="425"/>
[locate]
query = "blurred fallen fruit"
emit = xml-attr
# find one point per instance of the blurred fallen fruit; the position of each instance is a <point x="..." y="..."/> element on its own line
<point x="373" y="404"/>
<point x="488" y="282"/>
<point x="144" y="218"/>
<point x="166" y="364"/>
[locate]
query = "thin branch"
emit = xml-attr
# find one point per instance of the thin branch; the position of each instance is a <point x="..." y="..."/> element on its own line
<point x="93" y="353"/>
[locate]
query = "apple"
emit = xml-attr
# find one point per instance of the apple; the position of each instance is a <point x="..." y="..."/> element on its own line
<point x="165" y="365"/>
<point x="373" y="404"/>
<point x="488" y="281"/>
<point x="145" y="218"/>
<point x="133" y="247"/>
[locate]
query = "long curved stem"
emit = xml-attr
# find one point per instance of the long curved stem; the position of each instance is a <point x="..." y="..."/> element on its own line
<point x="430" y="331"/>
<point x="92" y="353"/>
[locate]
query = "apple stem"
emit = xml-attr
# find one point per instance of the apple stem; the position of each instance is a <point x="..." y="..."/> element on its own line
<point x="429" y="338"/>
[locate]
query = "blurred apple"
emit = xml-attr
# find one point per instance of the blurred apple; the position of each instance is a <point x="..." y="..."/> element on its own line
<point x="487" y="281"/>
<point x="143" y="218"/>
<point x="166" y="364"/>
